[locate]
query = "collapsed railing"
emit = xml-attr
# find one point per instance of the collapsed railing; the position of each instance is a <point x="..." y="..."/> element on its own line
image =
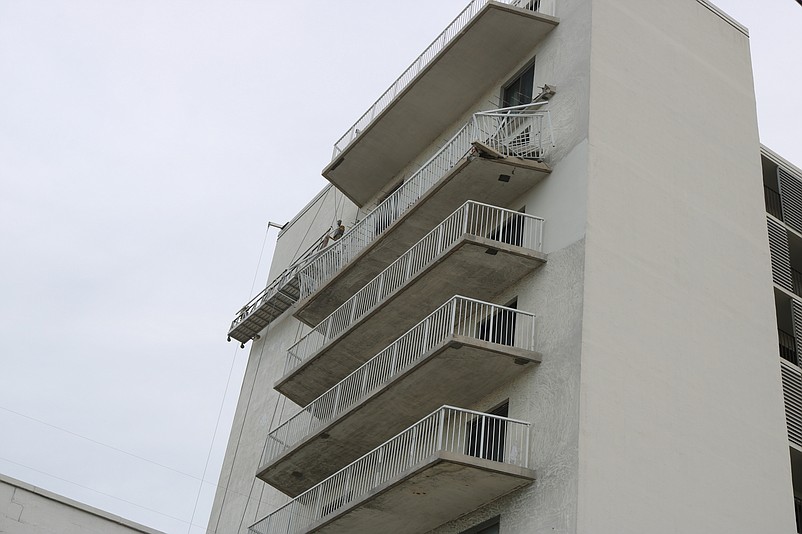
<point x="460" y="316"/>
<point x="547" y="7"/>
<point x="276" y="293"/>
<point x="472" y="218"/>
<point x="516" y="131"/>
<point x="448" y="429"/>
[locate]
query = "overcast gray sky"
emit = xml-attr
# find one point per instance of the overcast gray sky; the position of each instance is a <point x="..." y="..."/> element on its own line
<point x="144" y="146"/>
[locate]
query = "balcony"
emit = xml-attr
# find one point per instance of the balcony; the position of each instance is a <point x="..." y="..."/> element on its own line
<point x="494" y="157"/>
<point x="448" y="464"/>
<point x="483" y="44"/>
<point x="271" y="302"/>
<point x="461" y="352"/>
<point x="478" y="251"/>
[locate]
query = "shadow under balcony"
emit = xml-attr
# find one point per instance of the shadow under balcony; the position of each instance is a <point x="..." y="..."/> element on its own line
<point x="478" y="251"/>
<point x="486" y="41"/>
<point x="495" y="158"/>
<point x="461" y="352"/>
<point x="446" y="465"/>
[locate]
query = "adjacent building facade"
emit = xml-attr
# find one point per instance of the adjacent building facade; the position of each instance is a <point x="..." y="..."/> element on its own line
<point x="552" y="308"/>
<point x="26" y="509"/>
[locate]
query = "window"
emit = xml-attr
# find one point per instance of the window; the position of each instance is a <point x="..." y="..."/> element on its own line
<point x="511" y="229"/>
<point x="491" y="526"/>
<point x="485" y="437"/>
<point x="520" y="90"/>
<point x="499" y="327"/>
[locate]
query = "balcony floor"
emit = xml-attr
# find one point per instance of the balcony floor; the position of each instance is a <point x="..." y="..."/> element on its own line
<point x="466" y="268"/>
<point x="475" y="179"/>
<point x="493" y="43"/>
<point x="440" y="489"/>
<point x="459" y="371"/>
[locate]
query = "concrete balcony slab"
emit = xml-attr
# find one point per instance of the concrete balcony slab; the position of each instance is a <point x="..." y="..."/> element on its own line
<point x="440" y="489"/>
<point x="490" y="180"/>
<point x="485" y="49"/>
<point x="459" y="370"/>
<point x="473" y="266"/>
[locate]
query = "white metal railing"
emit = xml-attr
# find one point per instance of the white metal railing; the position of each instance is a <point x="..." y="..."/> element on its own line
<point x="546" y="7"/>
<point x="448" y="429"/>
<point x="459" y="316"/>
<point x="473" y="218"/>
<point x="516" y="131"/>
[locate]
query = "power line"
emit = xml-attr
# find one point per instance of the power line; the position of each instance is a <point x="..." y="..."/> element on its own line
<point x="97" y="491"/>
<point x="111" y="447"/>
<point x="214" y="434"/>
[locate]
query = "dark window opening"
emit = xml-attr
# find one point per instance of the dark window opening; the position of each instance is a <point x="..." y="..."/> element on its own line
<point x="773" y="204"/>
<point x="388" y="212"/>
<point x="787" y="346"/>
<point x="500" y="326"/>
<point x="491" y="526"/>
<point x="511" y="230"/>
<point x="486" y="435"/>
<point x="520" y="90"/>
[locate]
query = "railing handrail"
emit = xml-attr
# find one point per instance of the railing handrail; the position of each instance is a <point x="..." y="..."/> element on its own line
<point x="381" y="368"/>
<point x="418" y="65"/>
<point x="422" y="439"/>
<point x="454" y="226"/>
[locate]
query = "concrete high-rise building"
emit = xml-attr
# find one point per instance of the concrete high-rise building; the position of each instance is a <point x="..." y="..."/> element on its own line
<point x="551" y="309"/>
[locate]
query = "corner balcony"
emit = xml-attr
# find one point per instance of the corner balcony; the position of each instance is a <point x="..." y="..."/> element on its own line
<point x="495" y="157"/>
<point x="461" y="352"/>
<point x="482" y="45"/>
<point x="446" y="465"/>
<point x="271" y="302"/>
<point x="478" y="251"/>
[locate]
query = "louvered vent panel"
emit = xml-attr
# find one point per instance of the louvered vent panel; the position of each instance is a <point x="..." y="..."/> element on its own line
<point x="780" y="260"/>
<point x="791" y="199"/>
<point x="792" y="391"/>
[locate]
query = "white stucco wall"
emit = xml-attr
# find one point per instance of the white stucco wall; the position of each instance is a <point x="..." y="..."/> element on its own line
<point x="26" y="509"/>
<point x="657" y="407"/>
<point x="681" y="426"/>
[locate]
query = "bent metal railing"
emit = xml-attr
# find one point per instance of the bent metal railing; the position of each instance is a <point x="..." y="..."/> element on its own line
<point x="472" y="218"/>
<point x="516" y="131"/>
<point x="460" y="316"/>
<point x="447" y="429"/>
<point x="276" y="293"/>
<point x="547" y="7"/>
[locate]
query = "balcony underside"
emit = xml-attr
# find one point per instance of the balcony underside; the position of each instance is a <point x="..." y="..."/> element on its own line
<point x="460" y="371"/>
<point x="477" y="178"/>
<point x="497" y="39"/>
<point x="265" y="312"/>
<point x="440" y="489"/>
<point x="473" y="266"/>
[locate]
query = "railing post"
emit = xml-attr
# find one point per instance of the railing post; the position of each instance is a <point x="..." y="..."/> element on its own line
<point x="533" y="341"/>
<point x="482" y="438"/>
<point x="440" y="425"/>
<point x="311" y="418"/>
<point x="526" y="448"/>
<point x="540" y="236"/>
<point x="394" y="364"/>
<point x="452" y="329"/>
<point x="380" y="289"/>
<point x="335" y="409"/>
